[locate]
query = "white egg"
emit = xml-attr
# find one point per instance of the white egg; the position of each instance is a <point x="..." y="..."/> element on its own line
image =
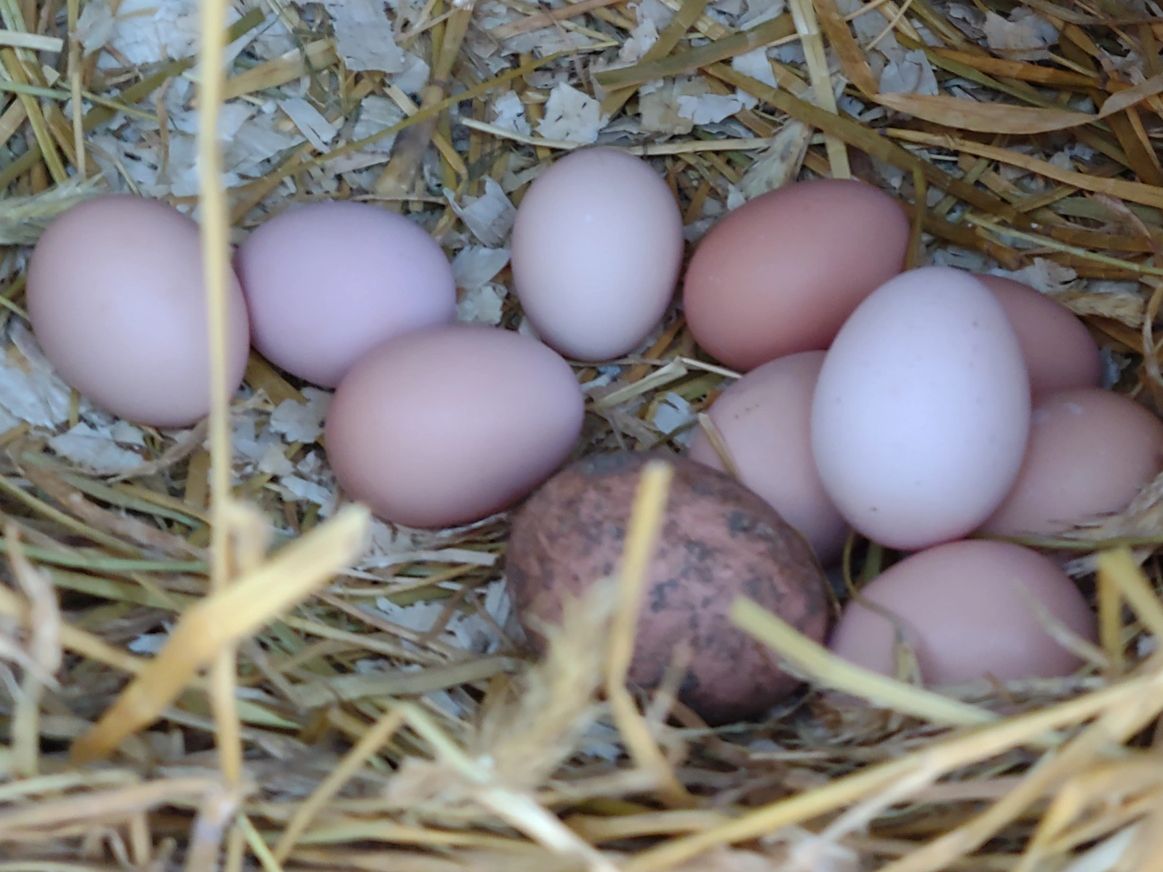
<point x="922" y="410"/>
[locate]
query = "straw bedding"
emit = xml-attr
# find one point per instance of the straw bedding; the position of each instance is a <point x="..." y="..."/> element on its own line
<point x="209" y="661"/>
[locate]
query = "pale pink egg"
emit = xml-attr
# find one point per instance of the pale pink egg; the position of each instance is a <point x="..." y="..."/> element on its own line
<point x="450" y="424"/>
<point x="968" y="610"/>
<point x="327" y="282"/>
<point x="765" y="420"/>
<point x="1058" y="349"/>
<point x="1090" y="452"/>
<point x="117" y="300"/>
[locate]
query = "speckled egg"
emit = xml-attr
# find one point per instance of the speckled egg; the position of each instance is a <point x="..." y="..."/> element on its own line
<point x="719" y="541"/>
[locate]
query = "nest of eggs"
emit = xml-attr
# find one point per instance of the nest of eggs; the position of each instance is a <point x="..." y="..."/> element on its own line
<point x="276" y="680"/>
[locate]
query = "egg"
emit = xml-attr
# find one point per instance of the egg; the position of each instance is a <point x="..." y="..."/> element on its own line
<point x="1058" y="349"/>
<point x="781" y="273"/>
<point x="116" y="299"/>
<point x="968" y="610"/>
<point x="450" y="424"/>
<point x="327" y="282"/>
<point x="718" y="541"/>
<point x="922" y="410"/>
<point x="597" y="246"/>
<point x="1089" y="454"/>
<point x="764" y="419"/>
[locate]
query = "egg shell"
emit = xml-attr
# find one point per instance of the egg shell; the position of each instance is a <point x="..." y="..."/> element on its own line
<point x="922" y="410"/>
<point x="597" y="246"/>
<point x="1090" y="452"/>
<point x="718" y="541"/>
<point x="781" y="273"/>
<point x="327" y="282"/>
<point x="969" y="610"/>
<point x="764" y="419"/>
<point x="117" y="301"/>
<point x="1058" y="349"/>
<point x="450" y="424"/>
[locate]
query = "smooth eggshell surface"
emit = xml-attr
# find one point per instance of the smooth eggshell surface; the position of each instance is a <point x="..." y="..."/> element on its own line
<point x="781" y="273"/>
<point x="596" y="250"/>
<point x="718" y="541"/>
<point x="450" y="424"/>
<point x="1058" y="349"/>
<point x="764" y="419"/>
<point x="968" y="610"/>
<point x="1090" y="452"/>
<point x="922" y="410"/>
<point x="327" y="282"/>
<point x="117" y="301"/>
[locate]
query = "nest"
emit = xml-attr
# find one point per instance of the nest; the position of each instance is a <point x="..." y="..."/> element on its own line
<point x="210" y="660"/>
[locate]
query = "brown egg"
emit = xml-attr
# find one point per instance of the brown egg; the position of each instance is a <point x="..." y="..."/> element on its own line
<point x="782" y="273"/>
<point x="719" y="541"/>
<point x="1058" y="349"/>
<point x="968" y="610"/>
<point x="1090" y="451"/>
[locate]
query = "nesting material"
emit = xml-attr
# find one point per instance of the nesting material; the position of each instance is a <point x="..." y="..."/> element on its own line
<point x="209" y="661"/>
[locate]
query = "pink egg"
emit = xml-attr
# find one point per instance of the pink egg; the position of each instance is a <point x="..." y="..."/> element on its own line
<point x="1090" y="452"/>
<point x="327" y="282"/>
<point x="449" y="424"/>
<point x="968" y="610"/>
<point x="596" y="251"/>
<point x="922" y="410"/>
<point x="1058" y="349"/>
<point x="117" y="300"/>
<point x="764" y="419"/>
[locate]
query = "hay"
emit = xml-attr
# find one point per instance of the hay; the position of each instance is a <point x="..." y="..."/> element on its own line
<point x="209" y="662"/>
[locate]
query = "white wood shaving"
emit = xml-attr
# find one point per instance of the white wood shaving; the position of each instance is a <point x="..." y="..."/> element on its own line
<point x="296" y="489"/>
<point x="482" y="305"/>
<point x="658" y="109"/>
<point x="672" y="413"/>
<point x="488" y="217"/>
<point x="301" y="422"/>
<point x="310" y="121"/>
<point x="274" y="461"/>
<point x="94" y="450"/>
<point x="1023" y="36"/>
<point x="30" y="390"/>
<point x="364" y="37"/>
<point x="708" y="108"/>
<point x="909" y="72"/>
<point x="476" y="265"/>
<point x="1042" y="275"/>
<point x="145" y="31"/>
<point x="571" y="116"/>
<point x="643" y="35"/>
<point x="377" y="113"/>
<point x="508" y="113"/>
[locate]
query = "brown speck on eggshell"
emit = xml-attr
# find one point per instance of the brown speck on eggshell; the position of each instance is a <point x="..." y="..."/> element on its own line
<point x="719" y="541"/>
